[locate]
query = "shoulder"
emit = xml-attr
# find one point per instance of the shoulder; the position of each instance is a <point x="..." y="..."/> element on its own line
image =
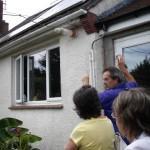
<point x="139" y="144"/>
<point x="78" y="134"/>
<point x="131" y="84"/>
<point x="79" y="128"/>
<point x="109" y="94"/>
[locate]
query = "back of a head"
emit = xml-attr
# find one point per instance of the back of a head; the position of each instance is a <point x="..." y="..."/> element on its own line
<point x="87" y="102"/>
<point x="133" y="108"/>
<point x="115" y="73"/>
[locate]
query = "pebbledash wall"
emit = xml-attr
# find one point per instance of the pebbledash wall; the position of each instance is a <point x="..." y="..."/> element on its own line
<point x="55" y="125"/>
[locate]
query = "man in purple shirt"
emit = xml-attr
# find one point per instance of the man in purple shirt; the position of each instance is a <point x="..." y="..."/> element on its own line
<point x="115" y="81"/>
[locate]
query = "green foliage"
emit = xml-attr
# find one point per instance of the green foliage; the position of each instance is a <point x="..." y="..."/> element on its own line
<point x="14" y="137"/>
<point x="142" y="73"/>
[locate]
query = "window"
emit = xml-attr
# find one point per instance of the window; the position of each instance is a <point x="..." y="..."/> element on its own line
<point x="18" y="79"/>
<point x="53" y="74"/>
<point x="38" y="76"/>
<point x="136" y="50"/>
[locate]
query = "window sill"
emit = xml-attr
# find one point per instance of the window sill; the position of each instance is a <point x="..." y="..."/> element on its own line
<point x="24" y="106"/>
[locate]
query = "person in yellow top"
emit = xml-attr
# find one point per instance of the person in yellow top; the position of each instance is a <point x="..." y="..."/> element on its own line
<point x="96" y="131"/>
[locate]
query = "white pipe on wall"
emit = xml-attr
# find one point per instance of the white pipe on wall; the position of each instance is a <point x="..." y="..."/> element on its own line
<point x="92" y="68"/>
<point x="93" y="72"/>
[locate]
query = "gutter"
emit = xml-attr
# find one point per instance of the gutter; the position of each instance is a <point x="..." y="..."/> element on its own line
<point x="38" y="33"/>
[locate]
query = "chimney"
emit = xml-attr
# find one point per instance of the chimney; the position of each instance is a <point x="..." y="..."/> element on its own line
<point x="3" y="24"/>
<point x="1" y="10"/>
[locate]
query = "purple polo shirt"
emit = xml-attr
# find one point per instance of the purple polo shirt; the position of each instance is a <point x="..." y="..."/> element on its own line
<point x="107" y="97"/>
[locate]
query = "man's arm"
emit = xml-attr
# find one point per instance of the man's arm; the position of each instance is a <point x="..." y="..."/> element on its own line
<point x="121" y="65"/>
<point x="85" y="80"/>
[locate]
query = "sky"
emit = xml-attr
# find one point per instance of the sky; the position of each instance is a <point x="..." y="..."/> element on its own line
<point x="24" y="8"/>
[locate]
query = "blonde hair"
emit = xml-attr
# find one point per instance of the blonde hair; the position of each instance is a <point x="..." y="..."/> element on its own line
<point x="133" y="109"/>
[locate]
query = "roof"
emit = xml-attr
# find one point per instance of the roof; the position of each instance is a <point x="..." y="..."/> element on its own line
<point x="57" y="10"/>
<point x="123" y="10"/>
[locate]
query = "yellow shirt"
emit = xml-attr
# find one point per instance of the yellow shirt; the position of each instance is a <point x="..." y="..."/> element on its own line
<point x="94" y="134"/>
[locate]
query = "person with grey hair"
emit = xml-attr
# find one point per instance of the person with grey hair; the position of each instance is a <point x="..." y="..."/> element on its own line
<point x="115" y="81"/>
<point x="131" y="111"/>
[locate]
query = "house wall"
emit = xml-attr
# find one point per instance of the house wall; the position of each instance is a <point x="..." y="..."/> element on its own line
<point x="53" y="125"/>
<point x="5" y="84"/>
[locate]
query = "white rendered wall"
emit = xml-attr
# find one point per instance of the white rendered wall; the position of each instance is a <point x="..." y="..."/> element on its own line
<point x="54" y="126"/>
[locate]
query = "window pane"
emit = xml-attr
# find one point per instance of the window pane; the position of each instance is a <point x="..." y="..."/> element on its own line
<point x="138" y="62"/>
<point x="54" y="73"/>
<point x="18" y="97"/>
<point x="37" y="76"/>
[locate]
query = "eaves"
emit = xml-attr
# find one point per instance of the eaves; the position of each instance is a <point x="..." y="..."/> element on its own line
<point x="125" y="10"/>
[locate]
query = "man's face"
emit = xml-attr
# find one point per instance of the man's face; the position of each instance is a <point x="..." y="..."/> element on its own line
<point x="108" y="81"/>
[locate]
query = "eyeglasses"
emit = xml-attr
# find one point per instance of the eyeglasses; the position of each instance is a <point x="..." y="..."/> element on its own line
<point x="114" y="116"/>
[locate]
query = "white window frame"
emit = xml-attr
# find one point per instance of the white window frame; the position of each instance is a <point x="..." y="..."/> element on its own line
<point x="132" y="22"/>
<point x="132" y="40"/>
<point x="48" y="99"/>
<point x="21" y="79"/>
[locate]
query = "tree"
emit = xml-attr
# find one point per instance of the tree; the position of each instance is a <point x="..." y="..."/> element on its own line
<point x="142" y="73"/>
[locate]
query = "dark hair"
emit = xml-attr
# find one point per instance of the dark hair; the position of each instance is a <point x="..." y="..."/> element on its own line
<point x="87" y="102"/>
<point x="115" y="73"/>
<point x="132" y="107"/>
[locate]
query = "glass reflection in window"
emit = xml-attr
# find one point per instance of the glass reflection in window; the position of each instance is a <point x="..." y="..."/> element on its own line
<point x="37" y="76"/>
<point x="137" y="59"/>
<point x="54" y="73"/>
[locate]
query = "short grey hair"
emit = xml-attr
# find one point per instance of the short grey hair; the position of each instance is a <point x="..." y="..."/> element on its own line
<point x="115" y="73"/>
